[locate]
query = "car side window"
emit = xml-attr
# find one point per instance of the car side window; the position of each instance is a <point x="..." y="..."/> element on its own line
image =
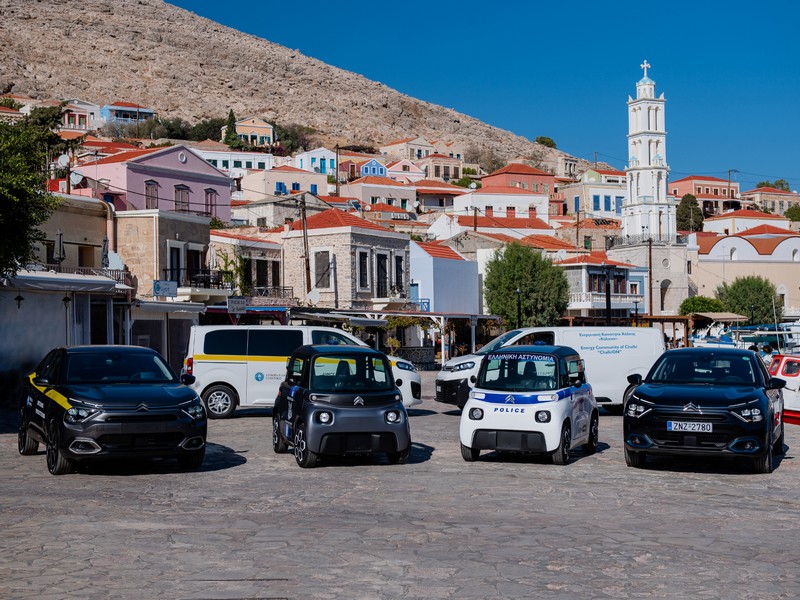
<point x="294" y="371"/>
<point x="231" y="342"/>
<point x="791" y="368"/>
<point x="274" y="342"/>
<point x="50" y="366"/>
<point x="331" y="338"/>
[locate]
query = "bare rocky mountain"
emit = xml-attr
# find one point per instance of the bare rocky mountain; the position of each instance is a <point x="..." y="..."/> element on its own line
<point x="183" y="65"/>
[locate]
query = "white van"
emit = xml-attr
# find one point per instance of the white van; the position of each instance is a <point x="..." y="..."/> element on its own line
<point x="610" y="355"/>
<point x="243" y="365"/>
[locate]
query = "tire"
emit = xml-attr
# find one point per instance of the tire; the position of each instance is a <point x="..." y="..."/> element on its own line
<point x="635" y="459"/>
<point x="590" y="447"/>
<point x="302" y="454"/>
<point x="57" y="463"/>
<point x="25" y="443"/>
<point x="561" y="455"/>
<point x="193" y="461"/>
<point x="398" y="458"/>
<point x="220" y="401"/>
<point x="763" y="464"/>
<point x="279" y="444"/>
<point x="777" y="448"/>
<point x="469" y="454"/>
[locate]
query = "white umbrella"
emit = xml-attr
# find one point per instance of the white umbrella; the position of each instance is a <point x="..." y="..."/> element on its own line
<point x="59" y="253"/>
<point x="104" y="254"/>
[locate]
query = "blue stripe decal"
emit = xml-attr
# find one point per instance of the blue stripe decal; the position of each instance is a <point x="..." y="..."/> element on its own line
<point x="522" y="397"/>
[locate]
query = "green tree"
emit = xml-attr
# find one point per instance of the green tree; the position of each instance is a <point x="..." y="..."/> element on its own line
<point x="778" y="184"/>
<point x="688" y="215"/>
<point x="293" y="137"/>
<point x="753" y="297"/>
<point x="230" y="131"/>
<point x="700" y="304"/>
<point x="207" y="130"/>
<point x="24" y="202"/>
<point x="176" y="129"/>
<point x="545" y="141"/>
<point x="216" y="223"/>
<point x="466" y="182"/>
<point x="793" y="212"/>
<point x="10" y="103"/>
<point x="544" y="291"/>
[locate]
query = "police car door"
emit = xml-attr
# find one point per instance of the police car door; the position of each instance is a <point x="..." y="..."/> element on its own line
<point x="267" y="352"/>
<point x="581" y="403"/>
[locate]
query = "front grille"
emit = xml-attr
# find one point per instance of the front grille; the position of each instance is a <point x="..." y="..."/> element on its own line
<point x="681" y="439"/>
<point x="447" y="391"/>
<point x="356" y="443"/>
<point x="524" y="441"/>
<point x="416" y="389"/>
<point x="683" y="416"/>
<point x="149" y="441"/>
<point x="142" y="418"/>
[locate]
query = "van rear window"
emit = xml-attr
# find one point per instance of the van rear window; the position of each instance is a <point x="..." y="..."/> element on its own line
<point x="274" y="342"/>
<point x="226" y="341"/>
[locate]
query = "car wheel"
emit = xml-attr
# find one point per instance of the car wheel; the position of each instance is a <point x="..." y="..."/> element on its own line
<point x="469" y="454"/>
<point x="25" y="443"/>
<point x="279" y="445"/>
<point x="302" y="453"/>
<point x="57" y="463"/>
<point x="777" y="448"/>
<point x="763" y="464"/>
<point x="635" y="459"/>
<point x="220" y="401"/>
<point x="399" y="458"/>
<point x="192" y="461"/>
<point x="561" y="455"/>
<point x="590" y="447"/>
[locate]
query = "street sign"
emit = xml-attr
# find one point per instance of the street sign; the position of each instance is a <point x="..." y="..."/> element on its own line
<point x="237" y="304"/>
<point x="167" y="289"/>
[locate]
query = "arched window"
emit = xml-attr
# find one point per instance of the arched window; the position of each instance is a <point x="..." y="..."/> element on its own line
<point x="734" y="254"/>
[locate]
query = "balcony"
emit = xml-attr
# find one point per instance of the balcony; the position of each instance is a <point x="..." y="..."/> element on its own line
<point x="118" y="275"/>
<point x="200" y="278"/>
<point x="597" y="300"/>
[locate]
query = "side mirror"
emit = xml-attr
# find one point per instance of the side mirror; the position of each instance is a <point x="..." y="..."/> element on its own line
<point x="473" y="379"/>
<point x="41" y="381"/>
<point x="774" y="383"/>
<point x="635" y="378"/>
<point x="187" y="379"/>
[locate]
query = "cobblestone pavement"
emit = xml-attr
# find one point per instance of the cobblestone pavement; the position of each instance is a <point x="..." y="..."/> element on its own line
<point x="251" y="524"/>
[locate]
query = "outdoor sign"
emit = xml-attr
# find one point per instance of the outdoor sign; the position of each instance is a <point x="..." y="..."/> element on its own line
<point x="168" y="289"/>
<point x="237" y="304"/>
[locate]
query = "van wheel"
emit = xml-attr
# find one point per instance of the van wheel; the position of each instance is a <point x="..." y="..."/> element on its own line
<point x="635" y="459"/>
<point x="57" y="463"/>
<point x="279" y="444"/>
<point x="590" y="447"/>
<point x="302" y="453"/>
<point x="469" y="454"/>
<point x="561" y="455"/>
<point x="220" y="401"/>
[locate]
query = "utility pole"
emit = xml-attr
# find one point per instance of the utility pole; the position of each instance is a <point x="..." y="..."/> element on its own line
<point x="578" y="230"/>
<point x="306" y="258"/>
<point x="336" y="170"/>
<point x="650" y="271"/>
<point x="475" y="219"/>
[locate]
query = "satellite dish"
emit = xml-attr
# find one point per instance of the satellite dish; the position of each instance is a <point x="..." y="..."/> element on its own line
<point x="367" y="208"/>
<point x="313" y="296"/>
<point x="561" y="254"/>
<point x="63" y="160"/>
<point x="473" y="185"/>
<point x="76" y="177"/>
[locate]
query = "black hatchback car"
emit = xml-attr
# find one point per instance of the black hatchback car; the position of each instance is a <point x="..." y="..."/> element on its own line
<point x="705" y="402"/>
<point x="339" y="400"/>
<point x="90" y="402"/>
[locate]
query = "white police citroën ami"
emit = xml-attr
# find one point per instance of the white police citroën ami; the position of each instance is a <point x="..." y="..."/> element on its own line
<point x="530" y="399"/>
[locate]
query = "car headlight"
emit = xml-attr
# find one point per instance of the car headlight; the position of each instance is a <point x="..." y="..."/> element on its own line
<point x="405" y="366"/>
<point x="79" y="413"/>
<point x="392" y="416"/>
<point x="465" y="366"/>
<point x="196" y="410"/>
<point x="542" y="416"/>
<point x="751" y="415"/>
<point x="324" y="417"/>
<point x="634" y="407"/>
<point x="476" y="414"/>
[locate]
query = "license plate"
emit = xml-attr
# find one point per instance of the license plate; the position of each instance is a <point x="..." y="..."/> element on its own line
<point x="689" y="426"/>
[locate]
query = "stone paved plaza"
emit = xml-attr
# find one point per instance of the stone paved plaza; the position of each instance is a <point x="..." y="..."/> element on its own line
<point x="252" y="524"/>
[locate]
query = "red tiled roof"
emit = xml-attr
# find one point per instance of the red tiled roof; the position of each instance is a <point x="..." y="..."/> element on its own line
<point x="766" y="229"/>
<point x="592" y="224"/>
<point x="5" y="109"/>
<point x="238" y="236"/>
<point x="383" y="207"/>
<point x="505" y="189"/>
<point x="333" y="218"/>
<point x="337" y="199"/>
<point x="288" y="169"/>
<point x="375" y="180"/>
<point x="500" y="237"/>
<point x="235" y="203"/>
<point x="609" y="172"/>
<point x="502" y="222"/>
<point x="437" y="155"/>
<point x="593" y="258"/>
<point x="746" y="214"/>
<point x="440" y="251"/>
<point x="403" y="141"/>
<point x="701" y="178"/>
<point x="769" y="190"/>
<point x="128" y="105"/>
<point x="546" y="242"/>
<point x="125" y="156"/>
<point x="519" y="169"/>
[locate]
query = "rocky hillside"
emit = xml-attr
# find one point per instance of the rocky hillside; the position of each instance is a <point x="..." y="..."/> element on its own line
<point x="182" y="65"/>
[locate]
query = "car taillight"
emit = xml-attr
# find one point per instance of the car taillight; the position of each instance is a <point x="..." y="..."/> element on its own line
<point x="189" y="365"/>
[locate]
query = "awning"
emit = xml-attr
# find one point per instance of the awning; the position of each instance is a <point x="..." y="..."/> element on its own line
<point x="721" y="317"/>
<point x="50" y="281"/>
<point x="170" y="307"/>
<point x="339" y="318"/>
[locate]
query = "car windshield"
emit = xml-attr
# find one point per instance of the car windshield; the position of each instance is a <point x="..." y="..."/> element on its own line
<point x="519" y="372"/>
<point x="109" y="366"/>
<point x="706" y="368"/>
<point x="498" y="342"/>
<point x="351" y="373"/>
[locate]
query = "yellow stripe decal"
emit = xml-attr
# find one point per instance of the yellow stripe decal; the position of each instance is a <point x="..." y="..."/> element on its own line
<point x="238" y="359"/>
<point x="59" y="399"/>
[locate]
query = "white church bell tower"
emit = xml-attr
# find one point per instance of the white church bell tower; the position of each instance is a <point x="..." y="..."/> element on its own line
<point x="648" y="213"/>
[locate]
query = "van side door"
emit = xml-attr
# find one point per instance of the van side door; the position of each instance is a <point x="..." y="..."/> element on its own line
<point x="267" y="353"/>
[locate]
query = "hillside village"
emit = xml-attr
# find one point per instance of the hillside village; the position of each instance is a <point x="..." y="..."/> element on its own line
<point x="150" y="239"/>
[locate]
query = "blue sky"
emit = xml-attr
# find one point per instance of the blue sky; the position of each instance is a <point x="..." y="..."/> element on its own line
<point x="729" y="70"/>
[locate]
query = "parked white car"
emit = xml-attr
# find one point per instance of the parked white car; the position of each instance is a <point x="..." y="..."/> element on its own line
<point x="530" y="399"/>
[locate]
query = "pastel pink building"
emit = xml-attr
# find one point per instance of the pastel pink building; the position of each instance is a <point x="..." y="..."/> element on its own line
<point x="521" y="176"/>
